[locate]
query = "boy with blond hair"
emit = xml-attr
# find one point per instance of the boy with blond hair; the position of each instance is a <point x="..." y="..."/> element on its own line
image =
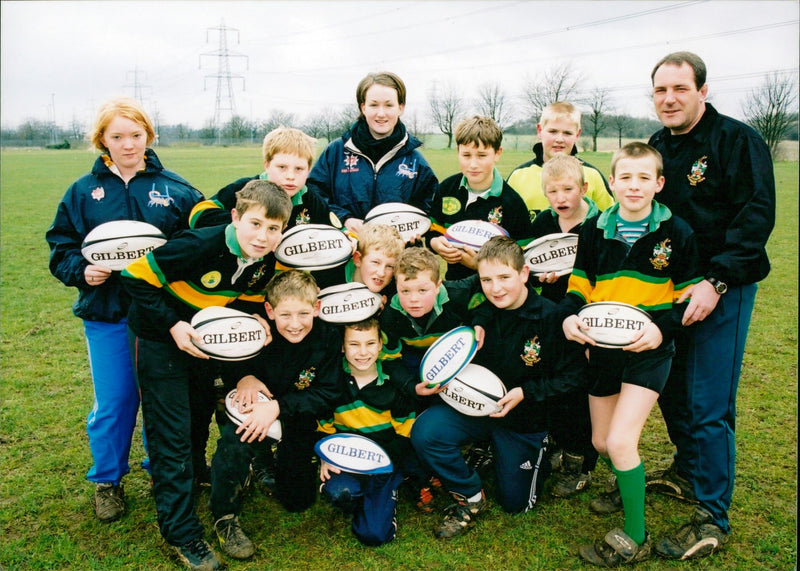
<point x="478" y="192"/>
<point x="565" y="189"/>
<point x="638" y="253"/>
<point x="559" y="129"/>
<point x="299" y="371"/>
<point x="375" y="258"/>
<point x="287" y="155"/>
<point x="220" y="265"/>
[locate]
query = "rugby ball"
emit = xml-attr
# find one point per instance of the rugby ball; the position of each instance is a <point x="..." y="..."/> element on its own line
<point x="552" y="253"/>
<point x="613" y="324"/>
<point x="116" y="244"/>
<point x="472" y="233"/>
<point x="228" y="334"/>
<point x="232" y="411"/>
<point x="409" y="220"/>
<point x="314" y="247"/>
<point x="348" y="303"/>
<point x="474" y="391"/>
<point x="447" y="356"/>
<point x="354" y="453"/>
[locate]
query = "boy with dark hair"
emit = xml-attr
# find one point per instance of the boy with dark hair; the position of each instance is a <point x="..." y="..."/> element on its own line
<point x="520" y="342"/>
<point x="478" y="192"/>
<point x="299" y="371"/>
<point x="221" y="265"/>
<point x="638" y="253"/>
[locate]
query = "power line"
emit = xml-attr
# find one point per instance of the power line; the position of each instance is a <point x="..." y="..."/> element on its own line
<point x="225" y="103"/>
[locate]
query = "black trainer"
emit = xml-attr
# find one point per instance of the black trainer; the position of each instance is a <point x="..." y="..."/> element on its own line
<point x="698" y="538"/>
<point x="232" y="538"/>
<point x="198" y="555"/>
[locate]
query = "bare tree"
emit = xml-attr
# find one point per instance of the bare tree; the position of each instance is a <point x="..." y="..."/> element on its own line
<point x="329" y="123"/>
<point x="491" y="102"/>
<point x="620" y="123"/>
<point x="771" y="108"/>
<point x="278" y="118"/>
<point x="599" y="102"/>
<point x="445" y="108"/>
<point x="559" y="83"/>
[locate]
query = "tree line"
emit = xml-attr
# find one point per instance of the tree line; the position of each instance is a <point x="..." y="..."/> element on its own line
<point x="771" y="109"/>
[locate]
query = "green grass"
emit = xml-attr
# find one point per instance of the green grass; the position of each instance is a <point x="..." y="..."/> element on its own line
<point x="45" y="511"/>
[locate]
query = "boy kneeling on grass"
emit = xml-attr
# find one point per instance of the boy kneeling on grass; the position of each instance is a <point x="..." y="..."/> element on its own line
<point x="378" y="404"/>
<point x="520" y="342"/>
<point x="636" y="252"/>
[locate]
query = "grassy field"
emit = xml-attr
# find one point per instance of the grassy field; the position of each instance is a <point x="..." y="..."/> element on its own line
<point x="45" y="511"/>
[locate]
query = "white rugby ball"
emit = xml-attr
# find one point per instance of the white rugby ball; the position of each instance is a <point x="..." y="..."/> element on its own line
<point x="228" y="334"/>
<point x="552" y="253"/>
<point x="472" y="233"/>
<point x="409" y="220"/>
<point x="354" y="453"/>
<point x="474" y="391"/>
<point x="117" y="243"/>
<point x="314" y="247"/>
<point x="448" y="355"/>
<point x="613" y="324"/>
<point x="348" y="303"/>
<point x="232" y="411"/>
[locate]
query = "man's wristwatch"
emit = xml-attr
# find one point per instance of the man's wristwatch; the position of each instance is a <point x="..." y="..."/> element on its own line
<point x="719" y="286"/>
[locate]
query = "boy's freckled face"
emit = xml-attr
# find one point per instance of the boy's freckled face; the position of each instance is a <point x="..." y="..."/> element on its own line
<point x="477" y="164"/>
<point x="565" y="196"/>
<point x="635" y="184"/>
<point x="418" y="295"/>
<point x="294" y="318"/>
<point x="257" y="235"/>
<point x="375" y="269"/>
<point x="288" y="171"/>
<point x="502" y="285"/>
<point x="361" y="348"/>
<point x="558" y="135"/>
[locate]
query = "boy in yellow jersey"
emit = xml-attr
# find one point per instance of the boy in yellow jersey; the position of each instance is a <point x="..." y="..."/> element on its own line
<point x="559" y="129"/>
<point x="220" y="265"/>
<point x="635" y="252"/>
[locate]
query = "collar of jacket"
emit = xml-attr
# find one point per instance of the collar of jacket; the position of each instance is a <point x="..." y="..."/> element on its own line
<point x="297" y="198"/>
<point x="607" y="221"/>
<point x="151" y="163"/>
<point x="441" y="298"/>
<point x="378" y="367"/>
<point x="494" y="190"/>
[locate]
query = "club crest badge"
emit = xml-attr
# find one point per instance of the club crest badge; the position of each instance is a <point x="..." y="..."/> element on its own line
<point x="450" y="205"/>
<point x="495" y="216"/>
<point x="350" y="163"/>
<point x="661" y="254"/>
<point x="99" y="193"/>
<point x="211" y="279"/>
<point x="305" y="378"/>
<point x="303" y="217"/>
<point x="698" y="172"/>
<point x="530" y="353"/>
<point x="159" y="199"/>
<point x="406" y="170"/>
<point x="257" y="275"/>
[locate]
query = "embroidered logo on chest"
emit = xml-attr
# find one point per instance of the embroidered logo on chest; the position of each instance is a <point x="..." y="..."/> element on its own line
<point x="257" y="275"/>
<point x="303" y="217"/>
<point x="661" y="253"/>
<point x="99" y="193"/>
<point x="530" y="352"/>
<point x="698" y="171"/>
<point x="407" y="171"/>
<point x="495" y="215"/>
<point x="159" y="199"/>
<point x="350" y="163"/>
<point x="211" y="279"/>
<point x="305" y="378"/>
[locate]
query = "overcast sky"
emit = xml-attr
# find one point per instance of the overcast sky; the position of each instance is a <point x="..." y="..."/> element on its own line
<point x="62" y="59"/>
